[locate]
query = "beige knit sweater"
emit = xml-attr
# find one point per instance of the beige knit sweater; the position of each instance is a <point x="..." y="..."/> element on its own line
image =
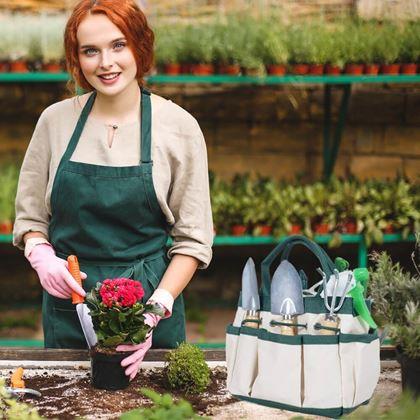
<point x="180" y="171"/>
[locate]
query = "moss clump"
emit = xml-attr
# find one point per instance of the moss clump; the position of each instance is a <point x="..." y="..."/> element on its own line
<point x="187" y="369"/>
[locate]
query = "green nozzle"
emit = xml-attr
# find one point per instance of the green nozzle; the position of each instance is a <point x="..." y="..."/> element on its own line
<point x="341" y="264"/>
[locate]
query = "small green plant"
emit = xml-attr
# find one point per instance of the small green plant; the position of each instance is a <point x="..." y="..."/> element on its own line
<point x="410" y="43"/>
<point x="396" y="299"/>
<point x="187" y="369"/>
<point x="11" y="409"/>
<point x="164" y="408"/>
<point x="273" y="46"/>
<point x="227" y="41"/>
<point x="168" y="44"/>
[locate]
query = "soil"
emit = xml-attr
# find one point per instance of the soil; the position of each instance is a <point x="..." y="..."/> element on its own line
<point x="67" y="394"/>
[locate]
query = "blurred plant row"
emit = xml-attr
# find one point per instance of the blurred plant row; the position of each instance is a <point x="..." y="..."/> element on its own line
<point x="233" y="45"/>
<point x="263" y="206"/>
<point x="257" y="45"/>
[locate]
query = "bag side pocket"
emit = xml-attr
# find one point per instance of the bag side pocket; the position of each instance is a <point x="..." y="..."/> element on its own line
<point x="360" y="361"/>
<point x="322" y="373"/>
<point x="244" y="366"/>
<point x="279" y="368"/>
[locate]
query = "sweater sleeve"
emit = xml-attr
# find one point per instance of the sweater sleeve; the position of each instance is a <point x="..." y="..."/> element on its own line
<point x="30" y="205"/>
<point x="189" y="201"/>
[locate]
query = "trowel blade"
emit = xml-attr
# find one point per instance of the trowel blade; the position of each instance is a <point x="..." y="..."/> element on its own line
<point x="286" y="291"/>
<point x="250" y="296"/>
<point x="86" y="323"/>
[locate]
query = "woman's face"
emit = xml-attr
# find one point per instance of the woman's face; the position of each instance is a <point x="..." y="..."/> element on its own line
<point x="105" y="59"/>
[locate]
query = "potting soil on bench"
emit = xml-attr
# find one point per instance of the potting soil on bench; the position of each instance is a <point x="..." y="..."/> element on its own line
<point x="68" y="393"/>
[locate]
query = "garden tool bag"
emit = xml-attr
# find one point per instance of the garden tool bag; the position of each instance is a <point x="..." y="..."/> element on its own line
<point x="328" y="375"/>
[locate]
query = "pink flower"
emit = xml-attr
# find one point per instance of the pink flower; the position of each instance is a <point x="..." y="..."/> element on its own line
<point x="121" y="292"/>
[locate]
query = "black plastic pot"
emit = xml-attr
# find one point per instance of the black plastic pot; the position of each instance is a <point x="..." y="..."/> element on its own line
<point x="107" y="372"/>
<point x="410" y="372"/>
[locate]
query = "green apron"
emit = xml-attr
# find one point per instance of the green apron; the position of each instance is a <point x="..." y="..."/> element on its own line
<point x="110" y="218"/>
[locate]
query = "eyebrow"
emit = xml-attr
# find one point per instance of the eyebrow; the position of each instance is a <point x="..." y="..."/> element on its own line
<point x="92" y="46"/>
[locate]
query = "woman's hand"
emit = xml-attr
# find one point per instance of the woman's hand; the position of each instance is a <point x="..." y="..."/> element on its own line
<point x="133" y="361"/>
<point x="53" y="272"/>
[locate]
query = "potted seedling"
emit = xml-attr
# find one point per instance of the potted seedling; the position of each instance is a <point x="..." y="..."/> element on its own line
<point x="52" y="44"/>
<point x="240" y="204"/>
<point x="273" y="48"/>
<point x="263" y="211"/>
<point x="298" y="45"/>
<point x="317" y="52"/>
<point x="333" y="51"/>
<point x="220" y="203"/>
<point x="6" y="37"/>
<point x="201" y="50"/>
<point x="296" y="219"/>
<point x="117" y="313"/>
<point x="250" y="58"/>
<point x="21" y="33"/>
<point x="319" y="205"/>
<point x="168" y="45"/>
<point x="396" y="303"/>
<point x="353" y="49"/>
<point x="410" y="48"/>
<point x="389" y="49"/>
<point x="227" y="47"/>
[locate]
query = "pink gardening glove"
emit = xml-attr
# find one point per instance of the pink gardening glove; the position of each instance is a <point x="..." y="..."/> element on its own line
<point x="133" y="361"/>
<point x="53" y="272"/>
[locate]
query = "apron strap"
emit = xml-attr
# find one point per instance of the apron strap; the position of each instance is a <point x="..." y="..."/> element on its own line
<point x="146" y="127"/>
<point x="79" y="128"/>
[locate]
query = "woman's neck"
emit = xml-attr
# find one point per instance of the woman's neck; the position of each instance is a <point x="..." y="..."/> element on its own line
<point x="119" y="109"/>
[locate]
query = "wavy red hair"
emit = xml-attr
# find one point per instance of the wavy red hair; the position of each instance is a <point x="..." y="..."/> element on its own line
<point x="129" y="19"/>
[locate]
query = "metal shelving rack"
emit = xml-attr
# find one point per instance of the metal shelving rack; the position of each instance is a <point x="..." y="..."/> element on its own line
<point x="332" y="136"/>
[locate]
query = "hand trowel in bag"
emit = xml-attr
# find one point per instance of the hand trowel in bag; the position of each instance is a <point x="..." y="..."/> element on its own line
<point x="287" y="297"/>
<point x="250" y="296"/>
<point x="82" y="310"/>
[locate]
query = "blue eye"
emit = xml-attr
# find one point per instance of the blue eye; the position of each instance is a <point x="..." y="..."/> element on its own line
<point x="90" y="51"/>
<point x="119" y="45"/>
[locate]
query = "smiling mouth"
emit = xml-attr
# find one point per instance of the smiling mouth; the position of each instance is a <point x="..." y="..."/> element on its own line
<point x="110" y="76"/>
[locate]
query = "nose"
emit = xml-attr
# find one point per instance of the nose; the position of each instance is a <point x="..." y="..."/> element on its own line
<point x="106" y="60"/>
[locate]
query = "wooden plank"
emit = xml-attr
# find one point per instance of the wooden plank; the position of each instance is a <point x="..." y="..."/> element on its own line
<point x="37" y="354"/>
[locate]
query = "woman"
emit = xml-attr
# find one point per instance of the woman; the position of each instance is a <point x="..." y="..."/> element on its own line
<point x="108" y="176"/>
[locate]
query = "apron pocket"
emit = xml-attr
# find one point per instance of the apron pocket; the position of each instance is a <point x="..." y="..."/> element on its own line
<point x="360" y="362"/>
<point x="279" y="368"/>
<point x="244" y="367"/>
<point x="322" y="372"/>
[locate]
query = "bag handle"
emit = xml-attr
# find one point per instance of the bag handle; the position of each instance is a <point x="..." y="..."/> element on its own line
<point x="283" y="249"/>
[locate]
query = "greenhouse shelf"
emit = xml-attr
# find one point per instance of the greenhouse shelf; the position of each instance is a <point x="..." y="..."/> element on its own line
<point x="224" y="79"/>
<point x="271" y="240"/>
<point x="332" y="137"/>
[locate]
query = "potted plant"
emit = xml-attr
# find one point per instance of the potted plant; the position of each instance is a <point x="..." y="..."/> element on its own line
<point x="250" y="58"/>
<point x="264" y="209"/>
<point x="9" y="174"/>
<point x="117" y="313"/>
<point x="239" y="204"/>
<point x="353" y="49"/>
<point x="396" y="304"/>
<point x="333" y="51"/>
<point x="168" y="45"/>
<point x="410" y="48"/>
<point x="52" y="44"/>
<point x="220" y="203"/>
<point x="201" y="49"/>
<point x="6" y="36"/>
<point x="19" y="49"/>
<point x="227" y="46"/>
<point x="298" y="45"/>
<point x="273" y="48"/>
<point x="317" y="48"/>
<point x="389" y="49"/>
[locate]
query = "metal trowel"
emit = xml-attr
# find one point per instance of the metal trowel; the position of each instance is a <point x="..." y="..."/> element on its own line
<point x="250" y="296"/>
<point x="82" y="310"/>
<point x="286" y="297"/>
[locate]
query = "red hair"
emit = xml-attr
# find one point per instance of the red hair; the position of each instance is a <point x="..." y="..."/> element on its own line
<point x="130" y="20"/>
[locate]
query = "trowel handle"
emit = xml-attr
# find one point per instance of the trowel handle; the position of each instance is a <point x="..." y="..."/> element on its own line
<point x="75" y="272"/>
